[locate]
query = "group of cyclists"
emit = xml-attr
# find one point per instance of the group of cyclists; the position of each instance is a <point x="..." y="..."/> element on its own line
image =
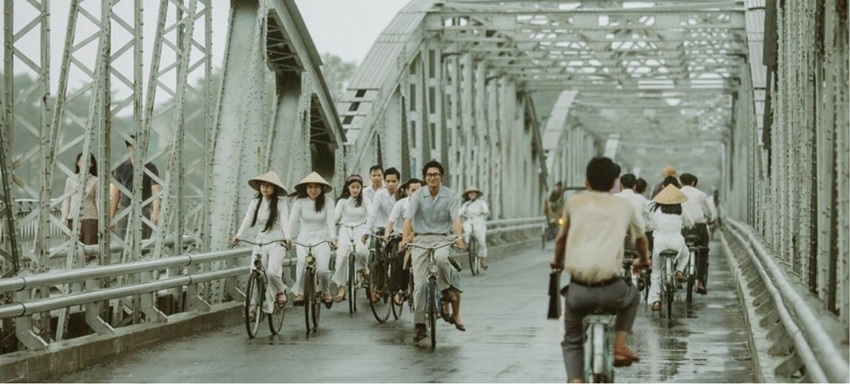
<point x="382" y="216"/>
<point x="590" y="247"/>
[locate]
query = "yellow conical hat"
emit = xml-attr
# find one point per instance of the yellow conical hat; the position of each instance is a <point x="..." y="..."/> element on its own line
<point x="268" y="177"/>
<point x="314" y="178"/>
<point x="670" y="195"/>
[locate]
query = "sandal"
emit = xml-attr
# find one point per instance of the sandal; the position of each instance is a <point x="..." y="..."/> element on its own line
<point x="625" y="358"/>
<point x="656" y="306"/>
<point x="483" y="263"/>
<point x="299" y="300"/>
<point x="281" y="299"/>
<point x="399" y="298"/>
<point x="252" y="316"/>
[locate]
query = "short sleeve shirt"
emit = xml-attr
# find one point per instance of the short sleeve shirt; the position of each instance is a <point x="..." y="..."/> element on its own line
<point x="433" y="215"/>
<point x="596" y="223"/>
<point x="124" y="175"/>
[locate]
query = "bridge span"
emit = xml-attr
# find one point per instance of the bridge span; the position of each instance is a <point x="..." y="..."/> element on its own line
<point x="512" y="96"/>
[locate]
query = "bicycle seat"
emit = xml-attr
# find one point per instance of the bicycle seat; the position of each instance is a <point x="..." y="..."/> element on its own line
<point x="603" y="311"/>
<point x="693" y="239"/>
<point x="669" y="253"/>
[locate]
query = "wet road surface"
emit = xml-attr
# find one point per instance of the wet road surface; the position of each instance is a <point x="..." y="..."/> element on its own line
<point x="508" y="339"/>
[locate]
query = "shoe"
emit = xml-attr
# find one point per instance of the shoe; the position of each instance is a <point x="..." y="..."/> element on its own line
<point x="339" y="298"/>
<point x="299" y="301"/>
<point x="420" y="332"/>
<point x="483" y="263"/>
<point x="702" y="291"/>
<point x="656" y="306"/>
<point x="680" y="277"/>
<point x="457" y="325"/>
<point x="281" y="300"/>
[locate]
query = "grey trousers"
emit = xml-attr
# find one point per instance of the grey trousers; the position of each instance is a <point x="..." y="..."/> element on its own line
<point x="579" y="301"/>
<point x="420" y="271"/>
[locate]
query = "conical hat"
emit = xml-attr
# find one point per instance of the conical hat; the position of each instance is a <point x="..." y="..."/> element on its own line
<point x="268" y="177"/>
<point x="314" y="178"/>
<point x="668" y="171"/>
<point x="473" y="188"/>
<point x="670" y="195"/>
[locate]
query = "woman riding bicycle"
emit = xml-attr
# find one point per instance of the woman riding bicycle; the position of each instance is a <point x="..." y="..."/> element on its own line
<point x="268" y="212"/>
<point x="315" y="213"/>
<point x="352" y="208"/>
<point x="668" y="219"/>
<point x="474" y="211"/>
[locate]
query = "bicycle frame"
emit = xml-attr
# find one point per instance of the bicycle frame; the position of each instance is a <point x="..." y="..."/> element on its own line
<point x="431" y="299"/>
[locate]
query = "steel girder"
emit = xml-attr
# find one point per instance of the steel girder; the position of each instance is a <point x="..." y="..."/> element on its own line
<point x="607" y="52"/>
<point x="417" y="98"/>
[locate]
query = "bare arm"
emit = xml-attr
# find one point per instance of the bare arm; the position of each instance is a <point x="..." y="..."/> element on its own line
<point x="156" y="202"/>
<point x="114" y="195"/>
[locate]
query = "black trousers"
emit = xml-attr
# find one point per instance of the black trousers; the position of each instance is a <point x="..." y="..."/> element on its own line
<point x="700" y="230"/>
<point x="401" y="277"/>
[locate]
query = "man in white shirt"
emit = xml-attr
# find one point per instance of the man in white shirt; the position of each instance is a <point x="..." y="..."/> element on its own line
<point x="400" y="280"/>
<point x="376" y="175"/>
<point x="628" y="182"/>
<point x="699" y="209"/>
<point x="590" y="248"/>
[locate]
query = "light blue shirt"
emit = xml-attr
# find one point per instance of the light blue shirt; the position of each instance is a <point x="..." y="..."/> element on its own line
<point x="433" y="215"/>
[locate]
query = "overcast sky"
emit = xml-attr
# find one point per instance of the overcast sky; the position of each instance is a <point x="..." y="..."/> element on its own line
<point x="346" y="28"/>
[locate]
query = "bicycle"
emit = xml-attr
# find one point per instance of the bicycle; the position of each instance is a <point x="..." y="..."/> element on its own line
<point x="379" y="290"/>
<point x="255" y="294"/>
<point x="312" y="292"/>
<point x="396" y="269"/>
<point x="474" y="259"/>
<point x="354" y="278"/>
<point x="692" y="242"/>
<point x="598" y="351"/>
<point x="432" y="293"/>
<point x="668" y="286"/>
<point x="642" y="281"/>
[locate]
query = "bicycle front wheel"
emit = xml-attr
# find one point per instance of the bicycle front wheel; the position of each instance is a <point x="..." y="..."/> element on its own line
<point x="431" y="301"/>
<point x="379" y="292"/>
<point x="276" y="319"/>
<point x="254" y="296"/>
<point x="474" y="264"/>
<point x="352" y="285"/>
<point x="309" y="298"/>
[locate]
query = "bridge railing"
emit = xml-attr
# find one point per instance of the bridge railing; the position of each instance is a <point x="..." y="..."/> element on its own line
<point x="798" y="332"/>
<point x="145" y="280"/>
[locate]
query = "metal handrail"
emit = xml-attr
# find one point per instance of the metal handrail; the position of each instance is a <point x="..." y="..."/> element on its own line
<point x="20" y="283"/>
<point x="817" y="350"/>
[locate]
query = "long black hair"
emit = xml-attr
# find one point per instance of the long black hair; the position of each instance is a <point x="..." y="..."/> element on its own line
<point x="272" y="209"/>
<point x="301" y="192"/>
<point x="92" y="165"/>
<point x="670" y="209"/>
<point x="347" y="194"/>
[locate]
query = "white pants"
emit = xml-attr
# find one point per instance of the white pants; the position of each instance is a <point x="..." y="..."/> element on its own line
<point x="420" y="271"/>
<point x="321" y="253"/>
<point x="476" y="227"/>
<point x="340" y="277"/>
<point x="273" y="255"/>
<point x="661" y="242"/>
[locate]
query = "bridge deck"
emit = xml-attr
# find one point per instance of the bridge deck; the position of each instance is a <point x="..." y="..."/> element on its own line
<point x="507" y="340"/>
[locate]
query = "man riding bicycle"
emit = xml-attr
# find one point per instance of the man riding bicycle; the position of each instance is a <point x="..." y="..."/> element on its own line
<point x="382" y="206"/>
<point x="702" y="213"/>
<point x="432" y="213"/>
<point x="590" y="248"/>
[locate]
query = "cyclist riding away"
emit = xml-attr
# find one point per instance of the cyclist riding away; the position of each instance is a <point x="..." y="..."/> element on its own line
<point x="268" y="212"/>
<point x="640" y="191"/>
<point x="351" y="208"/>
<point x="590" y="248"/>
<point x="432" y="213"/>
<point x="474" y="210"/>
<point x="628" y="183"/>
<point x="666" y="173"/>
<point x="668" y="220"/>
<point x="315" y="213"/>
<point x="400" y="280"/>
<point x="376" y="176"/>
<point x="701" y="212"/>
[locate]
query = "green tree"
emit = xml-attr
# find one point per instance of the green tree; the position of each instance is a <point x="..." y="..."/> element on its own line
<point x="337" y="73"/>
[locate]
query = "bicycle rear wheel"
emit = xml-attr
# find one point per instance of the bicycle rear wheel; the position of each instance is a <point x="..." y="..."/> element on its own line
<point x="352" y="285"/>
<point x="254" y="296"/>
<point x="379" y="292"/>
<point x="431" y="301"/>
<point x="670" y="292"/>
<point x="276" y="319"/>
<point x="474" y="263"/>
<point x="309" y="298"/>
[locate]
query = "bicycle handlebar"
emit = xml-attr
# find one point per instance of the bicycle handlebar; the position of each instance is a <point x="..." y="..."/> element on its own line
<point x="436" y="247"/>
<point x="233" y="244"/>
<point x="314" y="245"/>
<point x="352" y="226"/>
